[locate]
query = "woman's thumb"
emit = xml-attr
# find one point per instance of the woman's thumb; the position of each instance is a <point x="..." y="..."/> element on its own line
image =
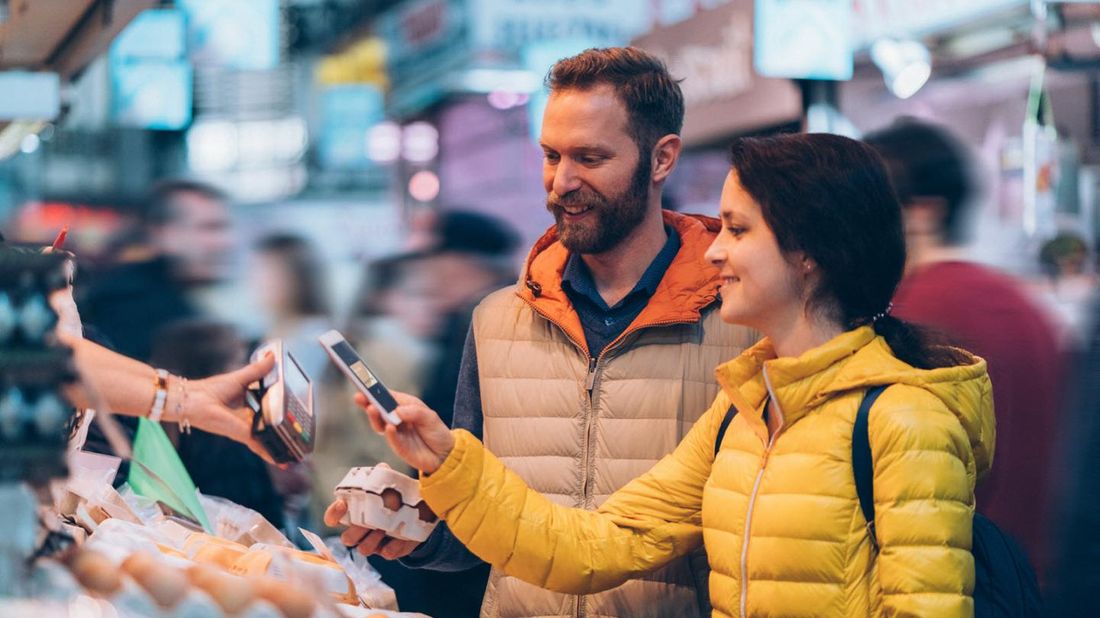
<point x="255" y="371"/>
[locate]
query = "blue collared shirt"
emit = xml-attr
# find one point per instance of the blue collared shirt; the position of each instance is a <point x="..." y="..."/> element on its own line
<point x="603" y="324"/>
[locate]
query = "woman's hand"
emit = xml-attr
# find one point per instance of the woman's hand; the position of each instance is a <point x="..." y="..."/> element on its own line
<point x="216" y="404"/>
<point x="422" y="440"/>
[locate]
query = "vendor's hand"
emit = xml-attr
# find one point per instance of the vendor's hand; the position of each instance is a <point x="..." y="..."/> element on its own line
<point x="422" y="440"/>
<point x="216" y="404"/>
<point x="367" y="541"/>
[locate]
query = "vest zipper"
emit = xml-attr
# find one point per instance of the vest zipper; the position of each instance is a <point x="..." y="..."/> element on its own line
<point x="752" y="497"/>
<point x="590" y="387"/>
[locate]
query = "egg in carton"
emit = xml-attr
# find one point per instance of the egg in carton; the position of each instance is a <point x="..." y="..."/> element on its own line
<point x="382" y="498"/>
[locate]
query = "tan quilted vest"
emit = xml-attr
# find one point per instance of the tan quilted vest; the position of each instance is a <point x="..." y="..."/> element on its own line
<point x="578" y="433"/>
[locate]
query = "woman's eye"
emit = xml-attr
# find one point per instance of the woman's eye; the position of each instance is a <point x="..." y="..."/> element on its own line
<point x="736" y="231"/>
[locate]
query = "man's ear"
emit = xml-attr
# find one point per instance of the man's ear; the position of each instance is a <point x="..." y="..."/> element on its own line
<point x="666" y="153"/>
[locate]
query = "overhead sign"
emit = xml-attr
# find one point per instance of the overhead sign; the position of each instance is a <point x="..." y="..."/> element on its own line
<point x="235" y="34"/>
<point x="804" y="39"/>
<point x="509" y="25"/>
<point x="713" y="54"/>
<point x="29" y="95"/>
<point x="897" y="18"/>
<point x="150" y="79"/>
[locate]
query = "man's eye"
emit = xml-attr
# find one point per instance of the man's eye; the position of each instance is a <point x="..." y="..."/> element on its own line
<point x="590" y="160"/>
<point x="551" y="156"/>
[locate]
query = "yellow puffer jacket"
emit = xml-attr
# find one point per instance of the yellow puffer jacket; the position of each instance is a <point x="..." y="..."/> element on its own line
<point x="779" y="517"/>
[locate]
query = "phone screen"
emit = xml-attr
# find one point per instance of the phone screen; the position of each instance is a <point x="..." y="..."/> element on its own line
<point x="364" y="375"/>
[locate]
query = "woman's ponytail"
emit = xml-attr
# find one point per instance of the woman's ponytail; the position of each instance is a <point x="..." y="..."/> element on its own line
<point x="917" y="346"/>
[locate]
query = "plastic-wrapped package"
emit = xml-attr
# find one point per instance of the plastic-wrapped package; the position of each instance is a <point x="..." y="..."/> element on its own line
<point x="118" y="539"/>
<point x="213" y="550"/>
<point x="382" y="498"/>
<point x="372" y="591"/>
<point x="315" y="572"/>
<point x="240" y="524"/>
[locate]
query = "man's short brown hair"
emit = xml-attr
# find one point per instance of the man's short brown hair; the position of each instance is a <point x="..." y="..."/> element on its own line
<point x="653" y="100"/>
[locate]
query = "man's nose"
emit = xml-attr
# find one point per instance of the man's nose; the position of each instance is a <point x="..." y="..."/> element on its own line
<point x="566" y="179"/>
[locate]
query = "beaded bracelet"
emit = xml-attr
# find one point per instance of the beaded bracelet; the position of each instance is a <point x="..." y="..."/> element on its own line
<point x="159" y="396"/>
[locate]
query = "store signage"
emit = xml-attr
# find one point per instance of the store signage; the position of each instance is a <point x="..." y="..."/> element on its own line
<point x="879" y="18"/>
<point x="418" y="32"/>
<point x="713" y="54"/>
<point x="509" y="25"/>
<point x="804" y="39"/>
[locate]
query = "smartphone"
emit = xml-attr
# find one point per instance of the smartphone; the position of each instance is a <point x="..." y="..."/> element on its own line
<point x="351" y="364"/>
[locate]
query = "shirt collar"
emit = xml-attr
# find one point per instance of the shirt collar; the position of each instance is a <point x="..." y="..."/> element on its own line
<point x="577" y="278"/>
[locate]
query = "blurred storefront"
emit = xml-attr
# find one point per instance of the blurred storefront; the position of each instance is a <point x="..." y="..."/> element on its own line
<point x="1017" y="81"/>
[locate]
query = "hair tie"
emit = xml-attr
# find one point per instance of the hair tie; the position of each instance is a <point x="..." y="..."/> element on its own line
<point x="885" y="312"/>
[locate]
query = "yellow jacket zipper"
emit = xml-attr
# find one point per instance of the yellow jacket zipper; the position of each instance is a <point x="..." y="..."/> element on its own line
<point x="752" y="497"/>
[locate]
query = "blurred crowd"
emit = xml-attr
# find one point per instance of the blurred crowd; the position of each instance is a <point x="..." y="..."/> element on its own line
<point x="412" y="312"/>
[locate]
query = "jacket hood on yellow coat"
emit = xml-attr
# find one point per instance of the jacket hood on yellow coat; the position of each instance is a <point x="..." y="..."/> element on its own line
<point x="803" y="382"/>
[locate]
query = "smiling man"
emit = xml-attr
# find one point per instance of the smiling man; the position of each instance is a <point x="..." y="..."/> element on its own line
<point x="598" y="362"/>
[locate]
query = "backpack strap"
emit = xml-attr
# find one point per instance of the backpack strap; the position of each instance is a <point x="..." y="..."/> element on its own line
<point x="862" y="466"/>
<point x="730" y="413"/>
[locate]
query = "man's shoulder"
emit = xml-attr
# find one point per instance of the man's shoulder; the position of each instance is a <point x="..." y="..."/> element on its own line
<point x="505" y="296"/>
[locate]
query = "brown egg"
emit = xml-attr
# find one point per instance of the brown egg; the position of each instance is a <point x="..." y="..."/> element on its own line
<point x="231" y="592"/>
<point x="425" y="512"/>
<point x="391" y="498"/>
<point x="291" y="600"/>
<point x="96" y="572"/>
<point x="165" y="584"/>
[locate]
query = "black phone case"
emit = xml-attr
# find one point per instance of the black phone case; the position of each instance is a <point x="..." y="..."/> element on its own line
<point x="265" y="434"/>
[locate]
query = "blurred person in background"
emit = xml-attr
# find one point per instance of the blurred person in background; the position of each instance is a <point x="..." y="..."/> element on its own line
<point x="472" y="255"/>
<point x="984" y="311"/>
<point x="1073" y="575"/>
<point x="182" y="240"/>
<point x="197" y="349"/>
<point x="1069" y="284"/>
<point x="612" y="329"/>
<point x="288" y="280"/>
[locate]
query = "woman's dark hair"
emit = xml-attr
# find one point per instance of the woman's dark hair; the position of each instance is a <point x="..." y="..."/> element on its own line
<point x="305" y="270"/>
<point x="829" y="197"/>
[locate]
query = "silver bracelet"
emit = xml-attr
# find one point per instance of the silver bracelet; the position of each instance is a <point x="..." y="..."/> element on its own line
<point x="181" y="408"/>
<point x="160" y="396"/>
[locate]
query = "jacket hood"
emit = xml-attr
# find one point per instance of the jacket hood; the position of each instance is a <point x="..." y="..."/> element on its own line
<point x="857" y="360"/>
<point x="689" y="285"/>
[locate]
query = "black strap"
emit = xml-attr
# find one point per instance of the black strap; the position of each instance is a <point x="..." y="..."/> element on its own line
<point x="732" y="412"/>
<point x="862" y="466"/>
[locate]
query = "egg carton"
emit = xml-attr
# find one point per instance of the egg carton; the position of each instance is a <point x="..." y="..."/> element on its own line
<point x="382" y="498"/>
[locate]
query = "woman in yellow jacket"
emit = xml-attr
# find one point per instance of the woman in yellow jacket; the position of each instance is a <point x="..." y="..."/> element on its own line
<point x="811" y="252"/>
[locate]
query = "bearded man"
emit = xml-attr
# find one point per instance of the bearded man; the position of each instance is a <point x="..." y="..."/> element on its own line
<point x="596" y="364"/>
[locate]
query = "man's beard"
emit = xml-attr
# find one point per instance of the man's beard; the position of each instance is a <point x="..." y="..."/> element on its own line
<point x="611" y="219"/>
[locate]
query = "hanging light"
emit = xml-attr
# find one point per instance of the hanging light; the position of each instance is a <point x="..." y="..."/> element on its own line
<point x="906" y="65"/>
